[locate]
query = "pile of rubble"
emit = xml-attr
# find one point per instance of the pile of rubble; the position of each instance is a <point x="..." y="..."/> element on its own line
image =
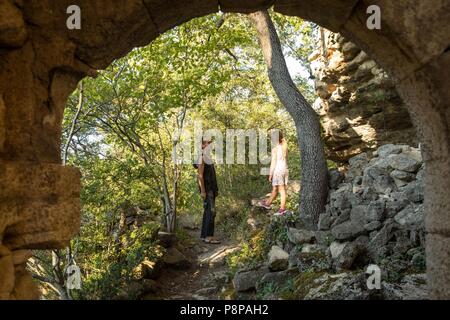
<point x="374" y="216"/>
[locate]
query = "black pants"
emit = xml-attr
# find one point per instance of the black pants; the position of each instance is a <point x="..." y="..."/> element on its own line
<point x="209" y="214"/>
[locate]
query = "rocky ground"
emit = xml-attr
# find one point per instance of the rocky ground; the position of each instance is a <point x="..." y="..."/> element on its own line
<point x="374" y="216"/>
<point x="207" y="276"/>
<point x="189" y="270"/>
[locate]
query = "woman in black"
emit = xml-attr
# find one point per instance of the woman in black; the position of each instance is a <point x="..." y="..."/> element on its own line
<point x="208" y="189"/>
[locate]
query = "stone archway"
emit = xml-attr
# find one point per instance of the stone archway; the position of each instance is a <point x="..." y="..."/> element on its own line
<point x="42" y="61"/>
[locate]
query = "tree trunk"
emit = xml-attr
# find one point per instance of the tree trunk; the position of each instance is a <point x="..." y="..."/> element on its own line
<point x="314" y="180"/>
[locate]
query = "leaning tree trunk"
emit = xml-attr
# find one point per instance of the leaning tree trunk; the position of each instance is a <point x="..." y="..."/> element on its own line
<point x="314" y="180"/>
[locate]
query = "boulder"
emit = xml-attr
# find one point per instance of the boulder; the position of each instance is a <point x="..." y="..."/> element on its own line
<point x="413" y="191"/>
<point x="325" y="221"/>
<point x="176" y="260"/>
<point x="147" y="270"/>
<point x="358" y="214"/>
<point x="278" y="259"/>
<point x="300" y="236"/>
<point x="362" y="240"/>
<point x="276" y="279"/>
<point x="314" y="261"/>
<point x="350" y="51"/>
<point x="293" y="257"/>
<point x="342" y="286"/>
<point x="403" y="242"/>
<point x="335" y="177"/>
<point x="218" y="279"/>
<point x="401" y="178"/>
<point x="297" y="254"/>
<point x="379" y="179"/>
<point x="375" y="211"/>
<point x="380" y="162"/>
<point x="418" y="260"/>
<point x="410" y="216"/>
<point x="381" y="238"/>
<point x="13" y="32"/>
<point x="411" y="287"/>
<point x="403" y="163"/>
<point x="414" y="153"/>
<point x="188" y="221"/>
<point x="370" y="194"/>
<point x="312" y="248"/>
<point x="206" y="291"/>
<point x="339" y="199"/>
<point x="323" y="237"/>
<point x="349" y="256"/>
<point x="373" y="225"/>
<point x="166" y="239"/>
<point x="336" y="249"/>
<point x="357" y="185"/>
<point x="347" y="230"/>
<point x="388" y="149"/>
<point x="343" y="216"/>
<point x="245" y="280"/>
<point x="150" y="286"/>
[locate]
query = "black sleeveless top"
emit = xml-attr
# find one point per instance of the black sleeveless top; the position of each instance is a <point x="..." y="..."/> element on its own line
<point x="209" y="176"/>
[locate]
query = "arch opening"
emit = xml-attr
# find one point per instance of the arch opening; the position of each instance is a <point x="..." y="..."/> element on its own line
<point x="46" y="60"/>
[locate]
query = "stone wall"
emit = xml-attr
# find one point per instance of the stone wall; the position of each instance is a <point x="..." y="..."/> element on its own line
<point x="357" y="102"/>
<point x="374" y="216"/>
<point x="41" y="62"/>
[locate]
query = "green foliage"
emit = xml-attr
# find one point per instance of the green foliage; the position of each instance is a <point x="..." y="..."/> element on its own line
<point x="253" y="252"/>
<point x="108" y="264"/>
<point x="209" y="69"/>
<point x="266" y="290"/>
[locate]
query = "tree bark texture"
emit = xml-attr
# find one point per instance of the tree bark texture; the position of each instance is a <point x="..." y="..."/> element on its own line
<point x="314" y="178"/>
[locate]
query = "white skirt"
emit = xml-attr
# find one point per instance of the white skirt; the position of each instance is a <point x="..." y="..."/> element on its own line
<point x="280" y="178"/>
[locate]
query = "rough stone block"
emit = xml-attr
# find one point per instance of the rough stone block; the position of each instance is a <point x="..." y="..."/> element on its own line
<point x="244" y="6"/>
<point x="438" y="264"/>
<point x="167" y="14"/>
<point x="331" y="14"/>
<point x="12" y="27"/>
<point x="40" y="204"/>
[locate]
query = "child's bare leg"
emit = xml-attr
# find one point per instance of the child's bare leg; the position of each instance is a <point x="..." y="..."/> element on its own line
<point x="273" y="195"/>
<point x="282" y="191"/>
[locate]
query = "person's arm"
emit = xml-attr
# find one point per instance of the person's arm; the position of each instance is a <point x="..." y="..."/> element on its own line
<point x="273" y="163"/>
<point x="285" y="149"/>
<point x="201" y="180"/>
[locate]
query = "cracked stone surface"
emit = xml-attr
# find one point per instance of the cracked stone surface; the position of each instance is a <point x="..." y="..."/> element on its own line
<point x="41" y="62"/>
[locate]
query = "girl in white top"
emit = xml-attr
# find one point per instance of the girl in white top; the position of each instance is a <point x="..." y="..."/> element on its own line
<point x="279" y="175"/>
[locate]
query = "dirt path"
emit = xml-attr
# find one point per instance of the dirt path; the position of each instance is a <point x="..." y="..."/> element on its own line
<point x="207" y="275"/>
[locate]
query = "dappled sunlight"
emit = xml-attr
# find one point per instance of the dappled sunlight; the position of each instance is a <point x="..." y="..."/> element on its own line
<point x="224" y="150"/>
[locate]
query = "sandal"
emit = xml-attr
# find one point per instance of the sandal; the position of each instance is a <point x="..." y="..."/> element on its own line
<point x="264" y="204"/>
<point x="212" y="241"/>
<point x="280" y="213"/>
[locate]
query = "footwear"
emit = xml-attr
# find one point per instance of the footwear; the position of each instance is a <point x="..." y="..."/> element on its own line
<point x="211" y="241"/>
<point x="280" y="213"/>
<point x="264" y="204"/>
